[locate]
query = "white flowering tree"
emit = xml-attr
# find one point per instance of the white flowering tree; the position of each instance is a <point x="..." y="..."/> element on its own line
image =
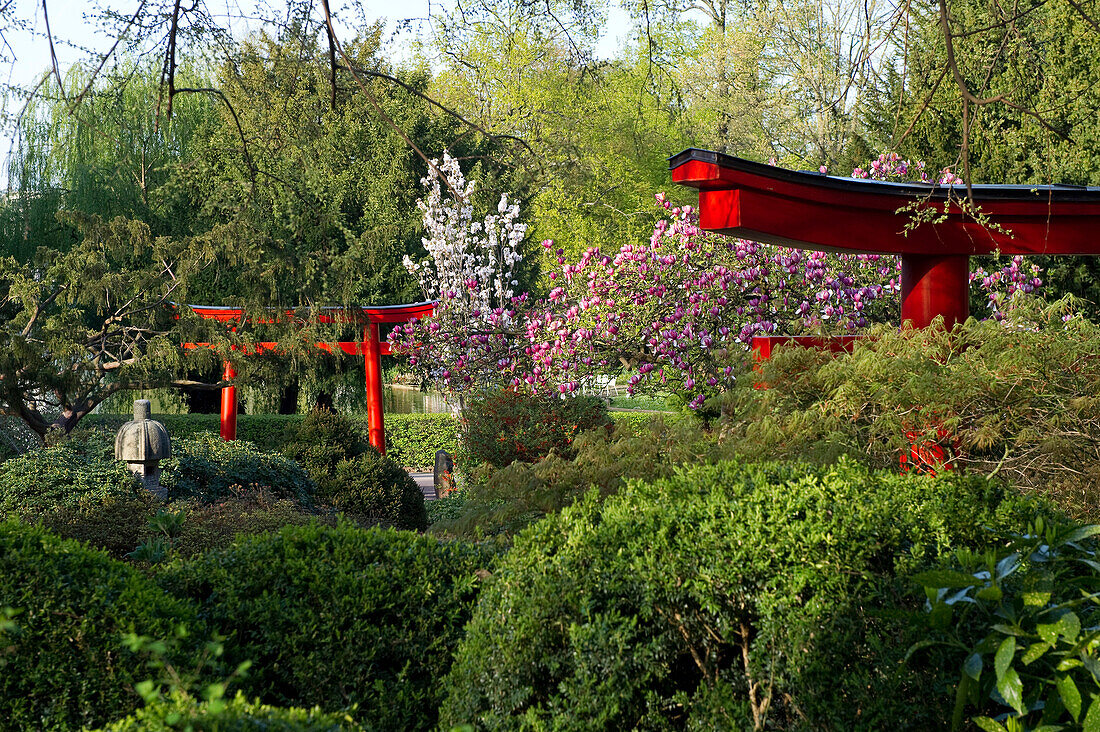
<point x="470" y="272"/>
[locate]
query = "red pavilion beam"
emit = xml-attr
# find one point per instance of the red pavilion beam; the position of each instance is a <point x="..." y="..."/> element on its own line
<point x="814" y="211"/>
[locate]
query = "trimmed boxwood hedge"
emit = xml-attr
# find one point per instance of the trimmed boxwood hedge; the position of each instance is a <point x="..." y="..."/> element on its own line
<point x="411" y="439"/>
<point x="727" y="596"/>
<point x="236" y="715"/>
<point x="340" y="616"/>
<point x="65" y="666"/>
<point x="269" y="432"/>
<point x="77" y="474"/>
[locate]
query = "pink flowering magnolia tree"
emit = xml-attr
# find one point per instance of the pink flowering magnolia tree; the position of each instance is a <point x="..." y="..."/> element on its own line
<point x="675" y="313"/>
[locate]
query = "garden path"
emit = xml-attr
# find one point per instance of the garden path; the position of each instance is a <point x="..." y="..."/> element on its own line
<point x="426" y="481"/>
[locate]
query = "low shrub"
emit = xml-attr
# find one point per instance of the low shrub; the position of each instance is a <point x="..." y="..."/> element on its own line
<point x="726" y="596"/>
<point x="322" y="441"/>
<point x="505" y="426"/>
<point x="206" y="468"/>
<point x="77" y="474"/>
<point x="66" y="667"/>
<point x="1020" y="620"/>
<point x="504" y="501"/>
<point x="183" y="712"/>
<point x="116" y="526"/>
<point x="340" y="616"/>
<point x="119" y="526"/>
<point x="218" y="525"/>
<point x="1017" y="397"/>
<point x="375" y="487"/>
<point x="445" y="509"/>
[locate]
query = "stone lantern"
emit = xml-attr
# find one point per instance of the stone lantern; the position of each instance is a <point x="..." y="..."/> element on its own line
<point x="143" y="443"/>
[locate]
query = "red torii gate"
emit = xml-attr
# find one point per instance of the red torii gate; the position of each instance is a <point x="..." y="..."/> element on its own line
<point x="816" y="211"/>
<point x="371" y="348"/>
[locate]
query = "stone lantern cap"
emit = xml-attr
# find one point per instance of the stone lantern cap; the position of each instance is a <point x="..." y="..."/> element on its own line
<point x="142" y="440"/>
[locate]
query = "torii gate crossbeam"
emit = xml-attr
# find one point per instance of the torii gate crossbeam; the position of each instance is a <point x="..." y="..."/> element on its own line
<point x="815" y="211"/>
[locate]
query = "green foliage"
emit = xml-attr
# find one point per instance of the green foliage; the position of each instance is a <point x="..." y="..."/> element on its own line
<point x="207" y="467"/>
<point x="350" y="474"/>
<point x="727" y="596"/>
<point x="322" y="441"/>
<point x="164" y="527"/>
<point x="268" y="432"/>
<point x="319" y="188"/>
<point x="411" y="439"/>
<point x="67" y="667"/>
<point x="446" y="509"/>
<point x="504" y="426"/>
<point x="77" y="474"/>
<point x="378" y="488"/>
<point x="107" y="156"/>
<point x="184" y="712"/>
<point x="116" y="526"/>
<point x="414" y="439"/>
<point x="121" y="525"/>
<point x="247" y="512"/>
<point x="341" y="616"/>
<point x="1017" y="399"/>
<point x="67" y="315"/>
<point x="1021" y="622"/>
<point x="505" y="500"/>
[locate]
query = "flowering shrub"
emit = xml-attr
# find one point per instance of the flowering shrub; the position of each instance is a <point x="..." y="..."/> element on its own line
<point x="676" y="312"/>
<point x="469" y="272"/>
<point x="503" y="426"/>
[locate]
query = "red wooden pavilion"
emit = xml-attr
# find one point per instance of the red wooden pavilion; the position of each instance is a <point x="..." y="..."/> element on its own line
<point x="371" y="348"/>
<point x="817" y="211"/>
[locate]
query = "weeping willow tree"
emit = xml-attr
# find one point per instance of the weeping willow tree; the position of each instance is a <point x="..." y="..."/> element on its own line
<point x="108" y="154"/>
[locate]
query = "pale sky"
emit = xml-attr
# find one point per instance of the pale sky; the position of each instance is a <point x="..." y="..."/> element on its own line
<point x="69" y="27"/>
<point x="75" y="38"/>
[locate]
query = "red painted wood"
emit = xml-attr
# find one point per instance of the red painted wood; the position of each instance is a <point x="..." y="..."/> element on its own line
<point x="376" y="429"/>
<point x="370" y="348"/>
<point x="229" y="406"/>
<point x="798" y="210"/>
<point x="353" y="314"/>
<point x="762" y="346"/>
<point x="352" y="348"/>
<point x="935" y="285"/>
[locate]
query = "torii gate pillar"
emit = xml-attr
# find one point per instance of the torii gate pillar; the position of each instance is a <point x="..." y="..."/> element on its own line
<point x="934" y="285"/>
<point x="372" y="360"/>
<point x="229" y="405"/>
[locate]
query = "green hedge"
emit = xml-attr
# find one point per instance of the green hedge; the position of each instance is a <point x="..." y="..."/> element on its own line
<point x="268" y="432"/>
<point x="78" y="474"/>
<point x="411" y="439"/>
<point x="208" y="468"/>
<point x="727" y="596"/>
<point x="236" y="715"/>
<point x="65" y="667"/>
<point x="340" y="616"/>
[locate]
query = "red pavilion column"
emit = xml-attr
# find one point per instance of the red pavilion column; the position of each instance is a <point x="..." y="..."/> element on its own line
<point x="229" y="405"/>
<point x="934" y="285"/>
<point x="372" y="357"/>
